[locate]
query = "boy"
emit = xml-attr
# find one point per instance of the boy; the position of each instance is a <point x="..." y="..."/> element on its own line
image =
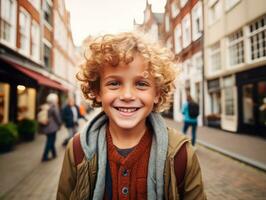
<point x="128" y="151"/>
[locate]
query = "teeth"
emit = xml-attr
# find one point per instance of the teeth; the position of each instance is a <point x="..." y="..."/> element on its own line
<point x="128" y="110"/>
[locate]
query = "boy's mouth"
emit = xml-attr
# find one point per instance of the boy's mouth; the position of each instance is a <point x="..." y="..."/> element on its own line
<point x="126" y="110"/>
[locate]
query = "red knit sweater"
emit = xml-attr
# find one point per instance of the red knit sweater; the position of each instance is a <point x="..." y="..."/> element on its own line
<point x="129" y="174"/>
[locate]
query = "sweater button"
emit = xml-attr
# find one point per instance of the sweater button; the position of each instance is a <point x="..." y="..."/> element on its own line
<point x="125" y="172"/>
<point x="125" y="190"/>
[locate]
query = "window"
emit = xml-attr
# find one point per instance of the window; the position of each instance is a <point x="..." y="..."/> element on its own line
<point x="257" y="39"/>
<point x="178" y="39"/>
<point x="8" y="21"/>
<point x="60" y="31"/>
<point x="230" y="3"/>
<point x="24" y="30"/>
<point x="183" y="3"/>
<point x="47" y="56"/>
<point x="215" y="11"/>
<point x="36" y="3"/>
<point x="48" y="11"/>
<point x="215" y="57"/>
<point x="186" y="30"/>
<point x="197" y="62"/>
<point x="4" y="102"/>
<point x="229" y="95"/>
<point x="197" y="21"/>
<point x="26" y="102"/>
<point x="236" y="48"/>
<point x="35" y="42"/>
<point x="174" y="9"/>
<point x="167" y="23"/>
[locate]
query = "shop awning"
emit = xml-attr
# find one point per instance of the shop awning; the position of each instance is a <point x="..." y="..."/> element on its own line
<point x="41" y="79"/>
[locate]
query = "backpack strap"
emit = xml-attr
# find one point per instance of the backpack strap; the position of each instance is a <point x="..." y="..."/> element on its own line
<point x="77" y="149"/>
<point x="180" y="169"/>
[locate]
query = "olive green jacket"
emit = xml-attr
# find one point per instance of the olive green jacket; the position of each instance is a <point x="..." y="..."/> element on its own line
<point x="78" y="182"/>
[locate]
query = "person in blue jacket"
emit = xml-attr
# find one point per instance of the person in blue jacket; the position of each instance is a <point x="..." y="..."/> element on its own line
<point x="70" y="116"/>
<point x="188" y="119"/>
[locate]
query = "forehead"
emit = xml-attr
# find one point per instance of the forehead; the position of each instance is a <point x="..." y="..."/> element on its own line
<point x="137" y="67"/>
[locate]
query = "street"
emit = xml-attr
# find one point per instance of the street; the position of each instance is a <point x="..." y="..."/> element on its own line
<point x="224" y="177"/>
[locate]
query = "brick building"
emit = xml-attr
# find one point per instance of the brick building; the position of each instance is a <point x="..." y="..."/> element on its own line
<point x="29" y="68"/>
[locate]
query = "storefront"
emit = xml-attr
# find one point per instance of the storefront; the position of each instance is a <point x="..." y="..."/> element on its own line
<point x="252" y="101"/>
<point x="22" y="90"/>
<point x="213" y="114"/>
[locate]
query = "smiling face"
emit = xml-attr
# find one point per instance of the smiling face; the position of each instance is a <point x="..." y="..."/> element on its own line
<point x="127" y="93"/>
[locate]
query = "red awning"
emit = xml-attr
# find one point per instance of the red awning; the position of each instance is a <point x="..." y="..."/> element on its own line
<point x="41" y="79"/>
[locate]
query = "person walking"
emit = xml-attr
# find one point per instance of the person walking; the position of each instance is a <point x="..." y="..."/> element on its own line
<point x="127" y="151"/>
<point x="50" y="127"/>
<point x="70" y="115"/>
<point x="190" y="111"/>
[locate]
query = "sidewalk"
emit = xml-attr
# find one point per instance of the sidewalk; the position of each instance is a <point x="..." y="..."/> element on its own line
<point x="247" y="149"/>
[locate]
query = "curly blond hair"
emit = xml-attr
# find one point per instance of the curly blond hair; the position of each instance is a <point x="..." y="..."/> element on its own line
<point x="113" y="49"/>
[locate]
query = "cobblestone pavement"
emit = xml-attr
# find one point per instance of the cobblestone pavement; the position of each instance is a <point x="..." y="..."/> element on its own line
<point x="225" y="178"/>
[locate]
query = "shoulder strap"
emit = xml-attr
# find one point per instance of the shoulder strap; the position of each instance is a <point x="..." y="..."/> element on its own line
<point x="180" y="169"/>
<point x="77" y="149"/>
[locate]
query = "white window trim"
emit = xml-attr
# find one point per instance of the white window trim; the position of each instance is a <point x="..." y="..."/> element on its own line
<point x="249" y="34"/>
<point x="212" y="21"/>
<point x="178" y="38"/>
<point x="186" y="41"/>
<point x="196" y="35"/>
<point x="28" y="46"/>
<point x="13" y="36"/>
<point x="38" y="56"/>
<point x="228" y="45"/>
<point x="174" y="9"/>
<point x="211" y="70"/>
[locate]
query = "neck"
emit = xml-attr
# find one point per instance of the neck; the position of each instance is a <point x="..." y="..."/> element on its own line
<point x="126" y="138"/>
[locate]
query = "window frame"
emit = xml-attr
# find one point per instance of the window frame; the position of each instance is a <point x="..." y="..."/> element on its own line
<point x="26" y="33"/>
<point x="13" y="23"/>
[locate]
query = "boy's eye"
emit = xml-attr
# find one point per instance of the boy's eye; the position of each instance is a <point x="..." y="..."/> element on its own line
<point x="113" y="84"/>
<point x="142" y="85"/>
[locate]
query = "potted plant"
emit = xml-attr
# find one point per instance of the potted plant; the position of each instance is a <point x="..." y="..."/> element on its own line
<point x="8" y="138"/>
<point x="27" y="129"/>
<point x="214" y="120"/>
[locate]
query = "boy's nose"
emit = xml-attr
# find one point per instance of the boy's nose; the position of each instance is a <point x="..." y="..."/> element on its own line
<point x="127" y="93"/>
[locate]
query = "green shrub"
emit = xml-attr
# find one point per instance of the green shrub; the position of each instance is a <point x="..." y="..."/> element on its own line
<point x="27" y="129"/>
<point x="14" y="129"/>
<point x="7" y="138"/>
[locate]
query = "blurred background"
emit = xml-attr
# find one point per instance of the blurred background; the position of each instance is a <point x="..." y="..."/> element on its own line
<point x="220" y="53"/>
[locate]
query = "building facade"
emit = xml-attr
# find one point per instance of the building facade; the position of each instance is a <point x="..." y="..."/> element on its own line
<point x="28" y="62"/>
<point x="235" y="70"/>
<point x="183" y="27"/>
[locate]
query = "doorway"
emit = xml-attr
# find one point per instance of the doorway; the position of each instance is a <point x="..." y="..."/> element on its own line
<point x="252" y="103"/>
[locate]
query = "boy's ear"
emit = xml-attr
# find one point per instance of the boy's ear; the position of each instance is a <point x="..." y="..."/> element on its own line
<point x="156" y="99"/>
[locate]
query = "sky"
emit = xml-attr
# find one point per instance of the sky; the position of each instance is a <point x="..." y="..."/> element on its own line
<point x="94" y="17"/>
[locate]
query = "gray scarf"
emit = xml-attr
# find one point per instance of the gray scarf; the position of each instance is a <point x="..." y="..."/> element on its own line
<point x="93" y="140"/>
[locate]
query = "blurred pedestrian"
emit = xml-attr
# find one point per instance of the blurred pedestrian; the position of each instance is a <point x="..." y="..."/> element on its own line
<point x="51" y="126"/>
<point x="190" y="111"/>
<point x="70" y="116"/>
<point x="127" y="151"/>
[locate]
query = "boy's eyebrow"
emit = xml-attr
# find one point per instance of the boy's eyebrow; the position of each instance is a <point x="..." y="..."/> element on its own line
<point x="112" y="76"/>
